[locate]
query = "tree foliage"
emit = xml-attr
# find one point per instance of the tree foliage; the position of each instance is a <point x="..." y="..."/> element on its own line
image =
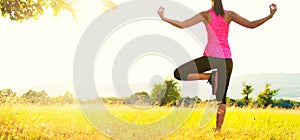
<point x="285" y="103"/>
<point x="230" y="102"/>
<point x="141" y="93"/>
<point x="188" y="102"/>
<point x="264" y="98"/>
<point x="111" y="100"/>
<point x="67" y="98"/>
<point x="167" y="92"/>
<point x="20" y="10"/>
<point x="139" y="98"/>
<point x="107" y="5"/>
<point x="8" y="96"/>
<point x="247" y="89"/>
<point x="34" y="97"/>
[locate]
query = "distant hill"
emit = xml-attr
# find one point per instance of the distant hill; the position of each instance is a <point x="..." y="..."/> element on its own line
<point x="289" y="84"/>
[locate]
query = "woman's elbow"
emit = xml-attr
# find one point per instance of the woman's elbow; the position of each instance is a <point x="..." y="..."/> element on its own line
<point x="253" y="25"/>
<point x="181" y="26"/>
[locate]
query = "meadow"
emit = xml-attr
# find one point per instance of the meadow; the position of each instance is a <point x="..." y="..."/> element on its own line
<point x="65" y="122"/>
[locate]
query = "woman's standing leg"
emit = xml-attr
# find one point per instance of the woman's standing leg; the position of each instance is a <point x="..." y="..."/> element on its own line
<point x="220" y="117"/>
<point x="224" y="72"/>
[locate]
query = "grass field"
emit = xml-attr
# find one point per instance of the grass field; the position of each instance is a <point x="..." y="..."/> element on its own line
<point x="67" y="122"/>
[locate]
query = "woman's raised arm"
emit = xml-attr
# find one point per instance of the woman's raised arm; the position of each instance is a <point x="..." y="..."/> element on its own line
<point x="246" y="23"/>
<point x="187" y="23"/>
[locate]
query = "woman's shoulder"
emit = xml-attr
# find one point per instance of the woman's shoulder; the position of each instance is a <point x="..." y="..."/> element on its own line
<point x="205" y="15"/>
<point x="229" y="12"/>
<point x="229" y="15"/>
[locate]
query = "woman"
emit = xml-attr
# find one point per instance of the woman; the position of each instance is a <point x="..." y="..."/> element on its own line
<point x="217" y="54"/>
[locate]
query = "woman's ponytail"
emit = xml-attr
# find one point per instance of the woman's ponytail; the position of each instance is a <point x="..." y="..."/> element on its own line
<point x="218" y="7"/>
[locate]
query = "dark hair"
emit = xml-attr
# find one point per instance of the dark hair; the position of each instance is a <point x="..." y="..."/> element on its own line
<point x="218" y="7"/>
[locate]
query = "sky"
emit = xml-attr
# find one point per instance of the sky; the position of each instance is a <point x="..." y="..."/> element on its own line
<point x="42" y="52"/>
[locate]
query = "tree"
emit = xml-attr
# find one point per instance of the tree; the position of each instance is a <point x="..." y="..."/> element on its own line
<point x="265" y="97"/>
<point x="165" y="93"/>
<point x="8" y="96"/>
<point x="197" y="99"/>
<point x="110" y="100"/>
<point x="20" y="10"/>
<point x="188" y="102"/>
<point x="138" y="98"/>
<point x="67" y="98"/>
<point x="247" y="89"/>
<point x="34" y="97"/>
<point x="141" y="93"/>
<point x="285" y="103"/>
<point x="230" y="102"/>
<point x="107" y="5"/>
<point x="157" y="92"/>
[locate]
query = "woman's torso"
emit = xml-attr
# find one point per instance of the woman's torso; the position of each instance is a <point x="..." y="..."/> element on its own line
<point x="217" y="32"/>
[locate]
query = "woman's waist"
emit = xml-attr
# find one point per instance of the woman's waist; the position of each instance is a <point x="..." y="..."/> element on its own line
<point x="222" y="51"/>
<point x="217" y="44"/>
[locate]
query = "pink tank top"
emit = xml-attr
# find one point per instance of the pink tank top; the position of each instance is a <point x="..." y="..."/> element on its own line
<point x="217" y="33"/>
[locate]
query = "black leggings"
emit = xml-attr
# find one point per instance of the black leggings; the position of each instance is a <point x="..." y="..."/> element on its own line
<point x="206" y="63"/>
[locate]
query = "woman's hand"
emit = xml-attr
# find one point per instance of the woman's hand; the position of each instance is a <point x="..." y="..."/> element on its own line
<point x="273" y="9"/>
<point x="160" y="12"/>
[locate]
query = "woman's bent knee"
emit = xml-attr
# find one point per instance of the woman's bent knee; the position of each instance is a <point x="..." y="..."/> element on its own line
<point x="177" y="74"/>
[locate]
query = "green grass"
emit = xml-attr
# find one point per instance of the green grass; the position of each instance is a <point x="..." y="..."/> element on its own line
<point x="67" y="122"/>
